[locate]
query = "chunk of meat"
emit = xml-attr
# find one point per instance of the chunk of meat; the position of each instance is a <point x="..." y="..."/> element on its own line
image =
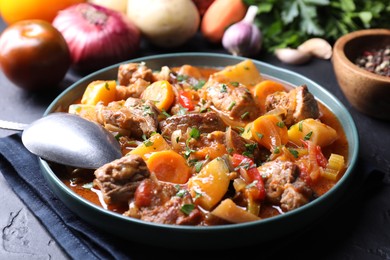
<point x="283" y="185"/>
<point x="119" y="179"/>
<point x="233" y="99"/>
<point x="205" y="123"/>
<point x="294" y="196"/>
<point x="298" y="104"/>
<point x="277" y="173"/>
<point x="129" y="73"/>
<point x="133" y="90"/>
<point x="164" y="205"/>
<point x="134" y="117"/>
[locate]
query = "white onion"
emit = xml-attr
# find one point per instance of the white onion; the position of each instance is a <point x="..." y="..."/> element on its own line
<point x="97" y="36"/>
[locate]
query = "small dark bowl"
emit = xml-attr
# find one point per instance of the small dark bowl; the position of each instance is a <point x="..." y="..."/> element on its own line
<point x="367" y="91"/>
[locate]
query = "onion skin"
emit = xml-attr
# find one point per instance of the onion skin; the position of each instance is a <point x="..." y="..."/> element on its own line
<point x="102" y="38"/>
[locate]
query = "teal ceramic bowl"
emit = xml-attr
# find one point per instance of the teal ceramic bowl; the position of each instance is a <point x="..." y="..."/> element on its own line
<point x="212" y="237"/>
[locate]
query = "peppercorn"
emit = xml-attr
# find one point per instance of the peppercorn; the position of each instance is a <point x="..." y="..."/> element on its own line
<point x="376" y="61"/>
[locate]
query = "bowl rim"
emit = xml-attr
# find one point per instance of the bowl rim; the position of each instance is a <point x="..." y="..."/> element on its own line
<point x="340" y="43"/>
<point x="347" y="120"/>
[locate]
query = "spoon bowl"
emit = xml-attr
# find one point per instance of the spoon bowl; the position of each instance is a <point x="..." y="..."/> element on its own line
<point x="71" y="140"/>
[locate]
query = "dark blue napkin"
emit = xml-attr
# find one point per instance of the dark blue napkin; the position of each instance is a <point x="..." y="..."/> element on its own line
<point x="78" y="239"/>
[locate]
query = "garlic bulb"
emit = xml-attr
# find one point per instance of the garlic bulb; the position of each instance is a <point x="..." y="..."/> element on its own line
<point x="243" y="38"/>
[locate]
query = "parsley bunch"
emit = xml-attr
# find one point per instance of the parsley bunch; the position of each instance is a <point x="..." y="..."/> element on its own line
<point x="290" y="23"/>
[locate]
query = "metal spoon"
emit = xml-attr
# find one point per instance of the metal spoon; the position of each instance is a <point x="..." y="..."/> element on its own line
<point x="70" y="140"/>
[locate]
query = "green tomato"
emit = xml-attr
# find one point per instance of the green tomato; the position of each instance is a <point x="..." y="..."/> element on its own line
<point x="34" y="55"/>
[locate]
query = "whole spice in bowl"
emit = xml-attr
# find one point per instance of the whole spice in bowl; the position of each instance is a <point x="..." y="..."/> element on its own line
<point x="376" y="61"/>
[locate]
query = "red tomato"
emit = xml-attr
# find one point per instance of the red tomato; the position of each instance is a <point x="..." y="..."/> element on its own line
<point x="34" y="55"/>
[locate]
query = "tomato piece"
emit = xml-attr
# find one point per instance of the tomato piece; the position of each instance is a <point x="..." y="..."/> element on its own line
<point x="321" y="159"/>
<point x="34" y="55"/>
<point x="253" y="173"/>
<point x="185" y="99"/>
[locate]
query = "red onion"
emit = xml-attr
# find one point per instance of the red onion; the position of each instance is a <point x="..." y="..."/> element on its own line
<point x="97" y="36"/>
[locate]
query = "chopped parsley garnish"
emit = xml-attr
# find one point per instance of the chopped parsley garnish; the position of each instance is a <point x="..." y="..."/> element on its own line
<point x="280" y="124"/>
<point x="195" y="133"/>
<point x="198" y="166"/>
<point x="231" y="105"/>
<point x="106" y="86"/>
<point x="147" y="110"/>
<point x="181" y="192"/>
<point x="234" y="83"/>
<point x="307" y="137"/>
<point x="199" y="85"/>
<point x="146" y="142"/>
<point x="294" y="152"/>
<point x="244" y="115"/>
<point x="181" y="77"/>
<point x="300" y="126"/>
<point x="187" y="208"/>
<point x="165" y="113"/>
<point x="259" y="135"/>
<point x="277" y="150"/>
<point x="224" y="88"/>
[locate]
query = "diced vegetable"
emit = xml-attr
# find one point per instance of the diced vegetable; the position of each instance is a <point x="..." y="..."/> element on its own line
<point x="255" y="188"/>
<point x="244" y="72"/>
<point x="313" y="130"/>
<point x="185" y="99"/>
<point x="270" y="131"/>
<point x="154" y="144"/>
<point x="247" y="133"/>
<point x="335" y="165"/>
<point x="210" y="185"/>
<point x="265" y="88"/>
<point x="160" y="92"/>
<point x="85" y="111"/>
<point x="169" y="166"/>
<point x="99" y="90"/>
<point x="229" y="211"/>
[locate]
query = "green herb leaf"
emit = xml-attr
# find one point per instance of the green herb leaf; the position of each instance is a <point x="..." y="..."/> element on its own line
<point x="187" y="208"/>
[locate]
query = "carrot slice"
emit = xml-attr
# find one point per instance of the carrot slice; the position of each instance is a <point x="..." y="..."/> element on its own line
<point x="169" y="166"/>
<point x="160" y="92"/>
<point x="265" y="88"/>
<point x="269" y="131"/>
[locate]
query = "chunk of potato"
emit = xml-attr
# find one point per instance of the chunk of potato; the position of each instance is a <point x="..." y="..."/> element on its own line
<point x="314" y="130"/>
<point x="99" y="90"/>
<point x="229" y="211"/>
<point x="244" y="72"/>
<point x="85" y="111"/>
<point x="210" y="184"/>
<point x="155" y="143"/>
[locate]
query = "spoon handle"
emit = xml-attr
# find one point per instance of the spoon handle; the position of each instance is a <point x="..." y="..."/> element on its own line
<point x="12" y="125"/>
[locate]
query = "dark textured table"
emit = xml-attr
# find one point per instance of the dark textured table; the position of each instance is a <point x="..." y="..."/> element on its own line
<point x="356" y="229"/>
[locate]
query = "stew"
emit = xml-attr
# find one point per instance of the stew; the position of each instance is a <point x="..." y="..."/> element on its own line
<point x="208" y="146"/>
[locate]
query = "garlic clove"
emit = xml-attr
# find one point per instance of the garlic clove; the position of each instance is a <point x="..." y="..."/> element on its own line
<point x="292" y="56"/>
<point x="317" y="47"/>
